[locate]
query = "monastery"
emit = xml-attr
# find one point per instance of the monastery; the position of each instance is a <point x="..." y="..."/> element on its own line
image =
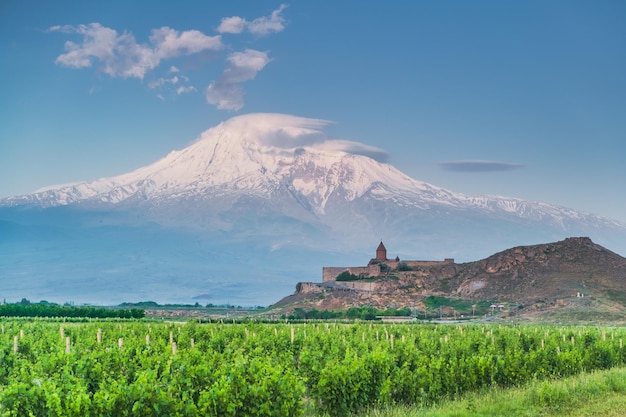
<point x="377" y="266"/>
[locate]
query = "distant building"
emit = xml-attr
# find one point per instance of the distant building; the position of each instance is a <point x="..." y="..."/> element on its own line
<point x="381" y="252"/>
<point x="373" y="268"/>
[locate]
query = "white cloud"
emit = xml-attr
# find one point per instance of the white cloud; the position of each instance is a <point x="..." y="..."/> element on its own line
<point x="243" y="66"/>
<point x="98" y="42"/>
<point x="292" y="133"/>
<point x="225" y="92"/>
<point x="264" y="25"/>
<point x="162" y="81"/>
<point x="225" y="96"/>
<point x="122" y="56"/>
<point x="169" y="43"/>
<point x="185" y="89"/>
<point x="131" y="59"/>
<point x="176" y="83"/>
<point x="233" y="24"/>
<point x="356" y="148"/>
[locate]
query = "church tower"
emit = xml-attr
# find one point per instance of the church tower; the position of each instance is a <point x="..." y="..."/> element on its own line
<point x="381" y="252"/>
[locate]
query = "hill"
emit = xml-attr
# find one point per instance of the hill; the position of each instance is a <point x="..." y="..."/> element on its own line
<point x="569" y="280"/>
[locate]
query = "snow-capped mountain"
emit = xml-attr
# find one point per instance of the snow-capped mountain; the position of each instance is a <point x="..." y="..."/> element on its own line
<point x="262" y="155"/>
<point x="277" y="182"/>
<point x="273" y="155"/>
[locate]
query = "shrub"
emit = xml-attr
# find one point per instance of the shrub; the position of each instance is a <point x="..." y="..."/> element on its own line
<point x="346" y="276"/>
<point x="402" y="266"/>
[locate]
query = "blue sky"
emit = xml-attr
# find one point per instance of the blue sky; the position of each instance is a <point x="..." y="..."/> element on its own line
<point x="523" y="99"/>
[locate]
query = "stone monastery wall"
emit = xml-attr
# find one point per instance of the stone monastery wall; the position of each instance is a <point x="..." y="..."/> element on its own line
<point x="330" y="273"/>
<point x="394" y="264"/>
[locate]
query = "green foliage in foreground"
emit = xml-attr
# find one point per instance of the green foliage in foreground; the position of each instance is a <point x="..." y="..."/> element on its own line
<point x="253" y="369"/>
<point x="362" y="313"/>
<point x="54" y="310"/>
<point x="598" y="393"/>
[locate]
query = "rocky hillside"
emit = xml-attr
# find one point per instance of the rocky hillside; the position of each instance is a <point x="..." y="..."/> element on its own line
<point x="572" y="273"/>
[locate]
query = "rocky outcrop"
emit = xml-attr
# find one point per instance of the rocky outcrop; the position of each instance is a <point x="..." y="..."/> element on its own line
<point x="523" y="275"/>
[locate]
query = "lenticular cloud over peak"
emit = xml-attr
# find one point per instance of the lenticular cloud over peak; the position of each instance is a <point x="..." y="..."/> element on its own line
<point x="274" y="129"/>
<point x="290" y="132"/>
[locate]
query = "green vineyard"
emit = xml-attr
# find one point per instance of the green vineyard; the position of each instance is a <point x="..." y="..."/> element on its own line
<point x="136" y="368"/>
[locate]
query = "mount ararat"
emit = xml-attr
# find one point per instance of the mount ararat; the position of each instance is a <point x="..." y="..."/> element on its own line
<point x="253" y="206"/>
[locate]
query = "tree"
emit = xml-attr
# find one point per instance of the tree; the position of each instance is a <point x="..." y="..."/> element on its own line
<point x="402" y="266"/>
<point x="346" y="276"/>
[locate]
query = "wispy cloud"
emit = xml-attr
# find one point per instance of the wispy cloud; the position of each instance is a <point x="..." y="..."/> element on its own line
<point x="120" y="55"/>
<point x="226" y="92"/>
<point x="162" y="81"/>
<point x="478" y="166"/>
<point x="176" y="81"/>
<point x="264" y="25"/>
<point x="295" y="134"/>
<point x="185" y="89"/>
<point x="356" y="148"/>
<point x="170" y="43"/>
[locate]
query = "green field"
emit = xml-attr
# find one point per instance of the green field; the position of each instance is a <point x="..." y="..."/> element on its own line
<point x="596" y="393"/>
<point x="143" y="368"/>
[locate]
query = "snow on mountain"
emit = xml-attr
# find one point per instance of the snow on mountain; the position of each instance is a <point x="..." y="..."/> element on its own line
<point x="264" y="155"/>
<point x="258" y="198"/>
<point x="257" y="153"/>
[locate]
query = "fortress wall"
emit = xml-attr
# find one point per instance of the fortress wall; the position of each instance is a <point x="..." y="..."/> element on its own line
<point x="425" y="263"/>
<point x="329" y="273"/>
<point x="373" y="270"/>
<point x="360" y="270"/>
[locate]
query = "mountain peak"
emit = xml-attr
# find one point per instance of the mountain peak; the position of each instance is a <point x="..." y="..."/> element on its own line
<point x="278" y="133"/>
<point x="269" y="129"/>
<point x="289" y="166"/>
<point x="258" y="153"/>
